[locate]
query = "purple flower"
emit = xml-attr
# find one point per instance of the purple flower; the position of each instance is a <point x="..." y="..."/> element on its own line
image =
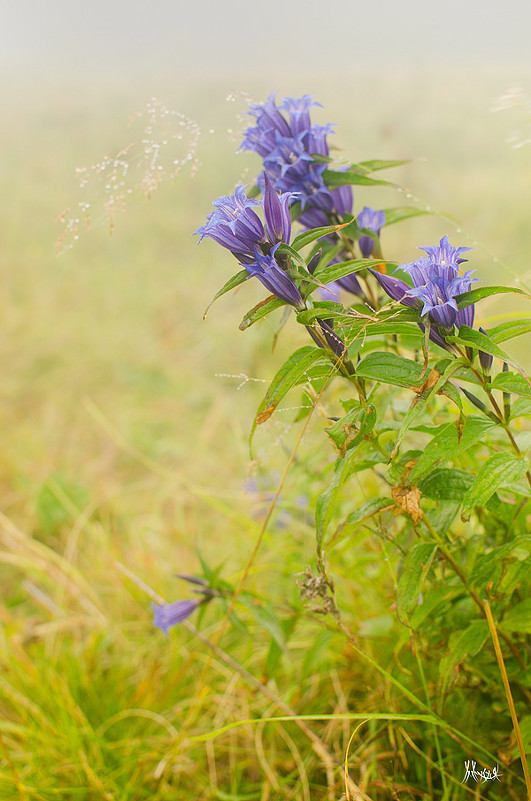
<point x="274" y="278"/>
<point x="276" y="214"/>
<point x="168" y="615"/>
<point x="235" y="225"/>
<point x="436" y="282"/>
<point x="373" y="221"/>
<point x="444" y="253"/>
<point x="287" y="147"/>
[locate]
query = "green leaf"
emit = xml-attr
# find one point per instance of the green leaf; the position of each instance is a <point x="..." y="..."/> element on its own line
<point x="447" y="444"/>
<point x="427" y="602"/>
<point x="300" y="264"/>
<point x="334" y="271"/>
<point x="461" y="644"/>
<point x="520" y="408"/>
<point x="436" y="381"/>
<point x="518" y="618"/>
<point x="513" y="383"/>
<point x="492" y="567"/>
<point x="475" y="339"/>
<point x="326" y="502"/>
<point x="380" y="164"/>
<point x="500" y="470"/>
<point x="322" y="309"/>
<point x="390" y="369"/>
<point x="400" y="213"/>
<point x="356" y="177"/>
<point x="294" y="371"/>
<point x="310" y="236"/>
<point x="416" y="566"/>
<point x="232" y="283"/>
<point x="446" y="484"/>
<point x="473" y="295"/>
<point x="366" y="510"/>
<point x="261" y="310"/>
<point x="509" y="330"/>
<point x="349" y="431"/>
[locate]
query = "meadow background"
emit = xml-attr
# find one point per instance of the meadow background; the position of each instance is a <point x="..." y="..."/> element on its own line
<point x="124" y="439"/>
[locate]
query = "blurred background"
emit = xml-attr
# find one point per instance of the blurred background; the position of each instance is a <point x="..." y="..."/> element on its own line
<point x="116" y="320"/>
<point x="123" y="415"/>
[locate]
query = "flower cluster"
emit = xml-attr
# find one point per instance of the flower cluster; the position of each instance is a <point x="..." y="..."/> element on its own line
<point x="287" y="144"/>
<point x="235" y="225"/>
<point x="437" y="280"/>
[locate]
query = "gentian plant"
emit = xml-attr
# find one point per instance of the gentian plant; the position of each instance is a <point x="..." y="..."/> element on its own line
<point x="429" y="413"/>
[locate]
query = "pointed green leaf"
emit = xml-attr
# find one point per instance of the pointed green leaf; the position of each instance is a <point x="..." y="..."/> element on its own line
<point x="400" y="213"/>
<point x="509" y="330"/>
<point x="416" y="566"/>
<point x="390" y="369"/>
<point x="300" y="264"/>
<point x="467" y="298"/>
<point x="353" y="176"/>
<point x="334" y="271"/>
<point x="492" y="566"/>
<point x="232" y="283"/>
<point x="322" y="309"/>
<point x="475" y="339"/>
<point x="365" y="511"/>
<point x="499" y="471"/>
<point x="434" y="382"/>
<point x="518" y="618"/>
<point x="348" y="432"/>
<point x="447" y="444"/>
<point x="316" y="654"/>
<point x="326" y="502"/>
<point x="511" y="382"/>
<point x="427" y="602"/>
<point x="261" y="310"/>
<point x="310" y="236"/>
<point x="294" y="371"/>
<point x="446" y="484"/>
<point x="467" y="642"/>
<point x="380" y="164"/>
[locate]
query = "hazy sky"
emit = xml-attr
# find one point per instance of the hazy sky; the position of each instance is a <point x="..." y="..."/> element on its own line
<point x="224" y="35"/>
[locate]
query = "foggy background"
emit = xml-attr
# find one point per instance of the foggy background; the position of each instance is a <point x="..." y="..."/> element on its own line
<point x="128" y="37"/>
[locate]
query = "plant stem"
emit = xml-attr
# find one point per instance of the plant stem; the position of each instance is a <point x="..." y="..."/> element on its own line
<point x="508" y="693"/>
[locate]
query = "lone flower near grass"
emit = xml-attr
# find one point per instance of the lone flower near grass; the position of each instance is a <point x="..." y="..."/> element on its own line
<point x="437" y="281"/>
<point x="167" y="615"/>
<point x="235" y="225"/>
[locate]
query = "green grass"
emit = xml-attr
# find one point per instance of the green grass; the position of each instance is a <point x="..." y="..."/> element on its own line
<point x="125" y="453"/>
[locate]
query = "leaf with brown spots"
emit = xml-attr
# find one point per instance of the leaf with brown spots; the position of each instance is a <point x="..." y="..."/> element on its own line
<point x="407" y="499"/>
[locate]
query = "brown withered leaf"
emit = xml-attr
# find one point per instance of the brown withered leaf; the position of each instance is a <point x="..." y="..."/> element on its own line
<point x="428" y="385"/>
<point x="407" y="499"/>
<point x="266" y="414"/>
